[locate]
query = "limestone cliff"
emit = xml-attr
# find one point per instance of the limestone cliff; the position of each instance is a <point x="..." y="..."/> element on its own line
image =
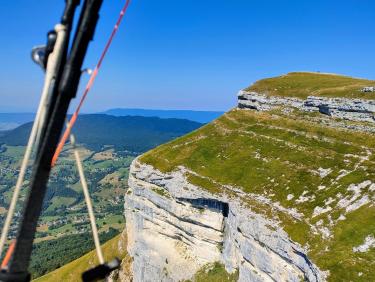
<point x="343" y="108"/>
<point x="279" y="189"/>
<point x="174" y="228"/>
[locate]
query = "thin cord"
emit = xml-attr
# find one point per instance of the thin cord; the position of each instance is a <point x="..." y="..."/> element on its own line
<point x="8" y="255"/>
<point x="64" y="138"/>
<point x="88" y="201"/>
<point x="89" y="85"/>
<point x="53" y="61"/>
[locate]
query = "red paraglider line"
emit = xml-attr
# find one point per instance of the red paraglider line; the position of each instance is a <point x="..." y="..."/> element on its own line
<point x="73" y="119"/>
<point x="88" y="86"/>
<point x="8" y="255"/>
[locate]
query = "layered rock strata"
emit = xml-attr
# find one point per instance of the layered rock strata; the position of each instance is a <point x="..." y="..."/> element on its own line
<point x="175" y="227"/>
<point x="343" y="108"/>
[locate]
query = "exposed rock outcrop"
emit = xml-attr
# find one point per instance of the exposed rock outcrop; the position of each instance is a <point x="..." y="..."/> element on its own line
<point x="343" y="108"/>
<point x="272" y="191"/>
<point x="174" y="228"/>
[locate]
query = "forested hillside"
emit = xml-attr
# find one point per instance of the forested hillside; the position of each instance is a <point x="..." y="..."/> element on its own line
<point x="107" y="146"/>
<point x="134" y="134"/>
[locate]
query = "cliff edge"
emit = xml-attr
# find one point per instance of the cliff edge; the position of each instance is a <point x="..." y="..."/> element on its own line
<point x="280" y="188"/>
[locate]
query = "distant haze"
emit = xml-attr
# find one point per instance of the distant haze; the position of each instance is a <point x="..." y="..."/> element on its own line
<point x="132" y="133"/>
<point x="190" y="54"/>
<point x="198" y="116"/>
<point x="10" y="121"/>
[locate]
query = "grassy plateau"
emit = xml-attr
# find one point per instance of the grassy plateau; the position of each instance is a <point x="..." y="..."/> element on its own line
<point x="323" y="172"/>
<point x="303" y="84"/>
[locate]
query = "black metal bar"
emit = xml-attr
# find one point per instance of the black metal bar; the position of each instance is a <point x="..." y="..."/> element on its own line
<point x="67" y="21"/>
<point x="51" y="40"/>
<point x="42" y="166"/>
<point x="101" y="271"/>
<point x="70" y="7"/>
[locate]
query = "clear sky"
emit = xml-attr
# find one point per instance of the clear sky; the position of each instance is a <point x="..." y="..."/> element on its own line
<point x="191" y="54"/>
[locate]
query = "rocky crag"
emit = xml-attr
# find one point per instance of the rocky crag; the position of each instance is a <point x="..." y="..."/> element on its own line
<point x="175" y="228"/>
<point x="342" y="108"/>
<point x="279" y="189"/>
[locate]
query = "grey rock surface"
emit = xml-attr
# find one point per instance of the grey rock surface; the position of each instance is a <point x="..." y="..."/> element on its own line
<point x="368" y="89"/>
<point x="343" y="108"/>
<point x="174" y="228"/>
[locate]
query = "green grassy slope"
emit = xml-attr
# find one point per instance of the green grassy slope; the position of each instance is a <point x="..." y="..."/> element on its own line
<point x="72" y="271"/>
<point x="298" y="163"/>
<point x="107" y="145"/>
<point x="303" y="84"/>
<point x="49" y="255"/>
<point x="214" y="273"/>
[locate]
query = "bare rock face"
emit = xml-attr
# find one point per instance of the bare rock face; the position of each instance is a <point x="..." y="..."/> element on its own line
<point x="261" y="102"/>
<point x="349" y="109"/>
<point x="174" y="228"/>
<point x="368" y="89"/>
<point x="169" y="238"/>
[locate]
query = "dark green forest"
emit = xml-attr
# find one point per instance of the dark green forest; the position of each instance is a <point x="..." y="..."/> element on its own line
<point x="52" y="254"/>
<point x="132" y="133"/>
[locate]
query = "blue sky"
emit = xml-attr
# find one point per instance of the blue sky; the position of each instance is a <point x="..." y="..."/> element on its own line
<point x="191" y="54"/>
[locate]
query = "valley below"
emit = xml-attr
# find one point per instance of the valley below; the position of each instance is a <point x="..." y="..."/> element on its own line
<point x="279" y="188"/>
<point x="64" y="231"/>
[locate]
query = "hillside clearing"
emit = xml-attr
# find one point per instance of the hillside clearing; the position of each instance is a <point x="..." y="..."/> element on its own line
<point x="304" y="84"/>
<point x="72" y="271"/>
<point x="323" y="173"/>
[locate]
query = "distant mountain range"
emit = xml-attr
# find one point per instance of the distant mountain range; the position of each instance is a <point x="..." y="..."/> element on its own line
<point x="198" y="116"/>
<point x="10" y="121"/>
<point x="136" y="134"/>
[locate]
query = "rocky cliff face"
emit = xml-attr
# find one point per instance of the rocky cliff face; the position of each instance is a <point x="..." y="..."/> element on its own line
<point x="343" y="108"/>
<point x="174" y="228"/>
<point x="278" y="189"/>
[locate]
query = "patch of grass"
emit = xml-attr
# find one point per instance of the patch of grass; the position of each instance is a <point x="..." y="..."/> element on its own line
<point x="345" y="265"/>
<point x="274" y="155"/>
<point x="111" y="221"/>
<point x="72" y="271"/>
<point x="58" y="202"/>
<point x="15" y="152"/>
<point x="203" y="182"/>
<point x="303" y="84"/>
<point x="215" y="272"/>
<point x="51" y="254"/>
<point x="77" y="187"/>
<point x="162" y="192"/>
